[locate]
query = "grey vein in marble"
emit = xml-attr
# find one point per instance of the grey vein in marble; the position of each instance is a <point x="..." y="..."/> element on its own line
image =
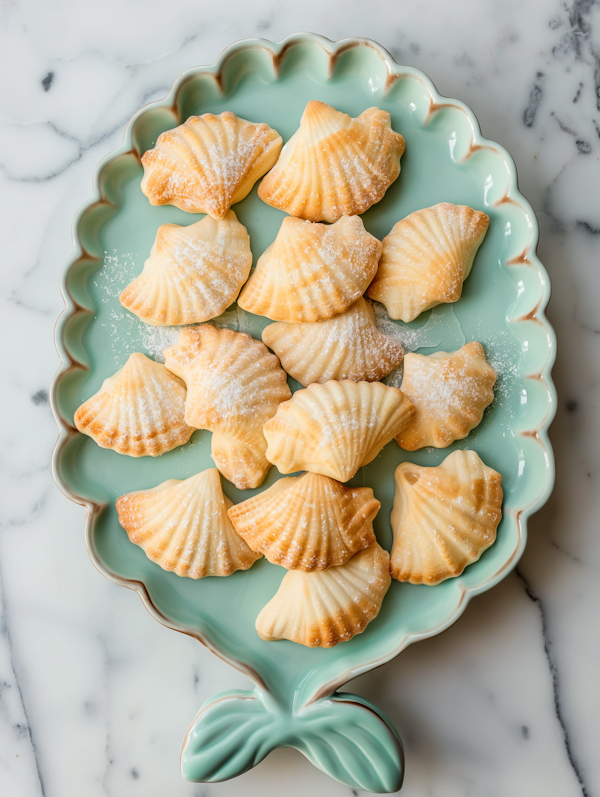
<point x="22" y="730"/>
<point x="532" y="595"/>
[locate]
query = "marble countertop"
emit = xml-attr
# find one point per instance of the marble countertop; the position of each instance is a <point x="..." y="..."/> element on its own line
<point x="95" y="696"/>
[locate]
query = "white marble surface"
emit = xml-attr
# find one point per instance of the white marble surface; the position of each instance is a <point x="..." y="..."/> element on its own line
<point x="94" y="695"/>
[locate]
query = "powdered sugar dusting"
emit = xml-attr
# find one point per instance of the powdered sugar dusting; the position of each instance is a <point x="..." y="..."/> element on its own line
<point x="232" y="165"/>
<point x="156" y="339"/>
<point x="441" y="326"/>
<point x="504" y="355"/>
<point x="234" y="398"/>
<point x="110" y="278"/>
<point x="395" y="378"/>
<point x="352" y="426"/>
<point x="124" y="328"/>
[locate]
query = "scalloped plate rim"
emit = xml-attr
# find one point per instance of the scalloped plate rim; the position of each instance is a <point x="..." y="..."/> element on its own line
<point x="66" y="430"/>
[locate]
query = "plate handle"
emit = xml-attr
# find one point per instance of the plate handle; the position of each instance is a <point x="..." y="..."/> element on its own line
<point x="343" y="735"/>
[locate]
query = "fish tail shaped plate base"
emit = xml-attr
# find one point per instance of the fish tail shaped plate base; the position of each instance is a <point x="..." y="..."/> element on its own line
<point x="343" y="735"/>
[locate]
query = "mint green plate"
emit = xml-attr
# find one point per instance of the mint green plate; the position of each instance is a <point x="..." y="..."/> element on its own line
<point x="295" y="702"/>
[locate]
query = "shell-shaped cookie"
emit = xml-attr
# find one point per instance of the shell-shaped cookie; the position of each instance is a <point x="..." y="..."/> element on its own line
<point x="347" y="346"/>
<point x="239" y="454"/>
<point x="208" y="163"/>
<point x="312" y="271"/>
<point x="183" y="526"/>
<point x="450" y="393"/>
<point x="336" y="428"/>
<point x="426" y="258"/>
<point x="234" y="385"/>
<point x="138" y="411"/>
<point x="443" y="518"/>
<point x="193" y="273"/>
<point x="307" y="522"/>
<point x="334" y="165"/>
<point x="322" y="608"/>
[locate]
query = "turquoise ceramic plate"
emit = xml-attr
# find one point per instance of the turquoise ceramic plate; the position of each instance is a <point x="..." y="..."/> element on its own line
<point x="295" y="702"/>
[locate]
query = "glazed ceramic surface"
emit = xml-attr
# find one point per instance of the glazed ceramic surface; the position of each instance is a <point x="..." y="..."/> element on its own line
<point x="502" y="306"/>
